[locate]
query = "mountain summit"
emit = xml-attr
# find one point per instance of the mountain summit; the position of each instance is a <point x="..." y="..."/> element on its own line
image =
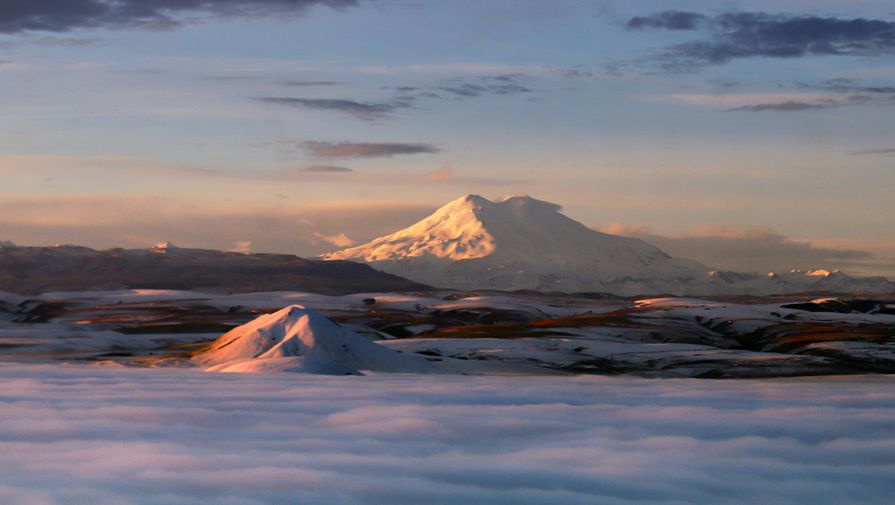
<point x="519" y="243"/>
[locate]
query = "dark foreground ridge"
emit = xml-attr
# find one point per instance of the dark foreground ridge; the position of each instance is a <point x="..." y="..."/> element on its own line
<point x="32" y="270"/>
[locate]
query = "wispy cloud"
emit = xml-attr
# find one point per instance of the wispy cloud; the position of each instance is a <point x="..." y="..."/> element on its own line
<point x="769" y="102"/>
<point x="508" y="84"/>
<point x="847" y="85"/>
<point x="404" y="97"/>
<point x="789" y="106"/>
<point x="365" y="111"/>
<point x="336" y="150"/>
<point x="338" y="240"/>
<point x="727" y="100"/>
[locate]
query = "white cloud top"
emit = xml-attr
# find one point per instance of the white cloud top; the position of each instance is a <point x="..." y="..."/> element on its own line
<point x="84" y="435"/>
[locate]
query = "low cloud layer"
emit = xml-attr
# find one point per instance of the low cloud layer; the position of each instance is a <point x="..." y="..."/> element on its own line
<point x="736" y="35"/>
<point x="63" y="16"/>
<point x="338" y="150"/>
<point x="756" y="250"/>
<point x="139" y="222"/>
<point x="82" y="435"/>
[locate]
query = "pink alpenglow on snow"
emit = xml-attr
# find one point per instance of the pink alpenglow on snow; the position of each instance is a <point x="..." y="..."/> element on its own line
<point x="298" y="339"/>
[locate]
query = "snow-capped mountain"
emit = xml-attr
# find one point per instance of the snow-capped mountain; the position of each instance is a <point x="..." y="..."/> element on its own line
<point x="523" y="243"/>
<point x="299" y="339"/>
<point x="519" y="243"/>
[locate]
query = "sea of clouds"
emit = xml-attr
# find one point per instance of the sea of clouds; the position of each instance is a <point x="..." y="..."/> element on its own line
<point x="99" y="436"/>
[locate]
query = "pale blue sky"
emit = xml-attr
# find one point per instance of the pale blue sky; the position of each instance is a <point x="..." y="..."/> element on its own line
<point x="124" y="135"/>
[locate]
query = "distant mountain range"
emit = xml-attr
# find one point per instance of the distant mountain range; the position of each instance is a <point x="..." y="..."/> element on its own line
<point x="31" y="270"/>
<point x="523" y="243"/>
<point x="517" y="243"/>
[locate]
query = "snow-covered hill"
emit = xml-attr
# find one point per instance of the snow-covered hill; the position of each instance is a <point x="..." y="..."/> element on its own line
<point x="298" y="339"/>
<point x="523" y="243"/>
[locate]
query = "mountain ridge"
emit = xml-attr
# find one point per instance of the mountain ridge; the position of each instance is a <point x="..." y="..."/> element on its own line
<point x="32" y="270"/>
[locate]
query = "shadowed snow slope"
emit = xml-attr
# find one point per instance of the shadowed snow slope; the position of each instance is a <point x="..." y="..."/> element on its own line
<point x="517" y="243"/>
<point x="298" y="339"/>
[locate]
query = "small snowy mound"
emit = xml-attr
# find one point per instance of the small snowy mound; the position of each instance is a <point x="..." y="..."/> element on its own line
<point x="298" y="339"/>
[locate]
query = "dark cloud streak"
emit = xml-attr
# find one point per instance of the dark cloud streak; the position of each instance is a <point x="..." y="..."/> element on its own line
<point x="307" y="84"/>
<point x="668" y="20"/>
<point x="886" y="151"/>
<point x="364" y="111"/>
<point x="487" y="85"/>
<point x="788" y="106"/>
<point x="67" y="15"/>
<point x="845" y="85"/>
<point x="334" y="150"/>
<point x="328" y="169"/>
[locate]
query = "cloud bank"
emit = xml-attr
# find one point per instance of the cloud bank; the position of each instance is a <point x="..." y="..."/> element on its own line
<point x="736" y="35"/>
<point x="84" y="435"/>
<point x="752" y="250"/>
